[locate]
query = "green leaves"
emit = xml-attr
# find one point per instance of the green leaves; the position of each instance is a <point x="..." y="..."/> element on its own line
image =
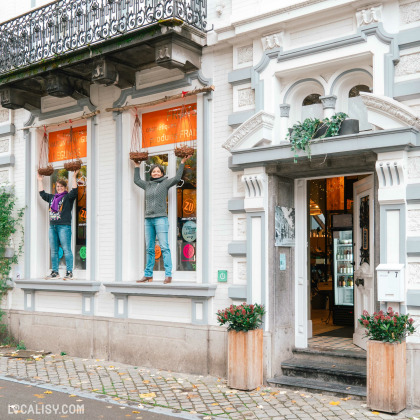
<point x="242" y="317"/>
<point x="10" y="224"/>
<point x="304" y="132"/>
<point x="387" y="326"/>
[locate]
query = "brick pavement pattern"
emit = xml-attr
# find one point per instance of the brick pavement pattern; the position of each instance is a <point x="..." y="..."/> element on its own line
<point x="205" y="397"/>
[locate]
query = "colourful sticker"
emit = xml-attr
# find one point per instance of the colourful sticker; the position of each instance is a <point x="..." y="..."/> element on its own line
<point x="188" y="251"/>
<point x="60" y="253"/>
<point x="189" y="231"/>
<point x="82" y="214"/>
<point x="158" y="252"/>
<point x="82" y="252"/>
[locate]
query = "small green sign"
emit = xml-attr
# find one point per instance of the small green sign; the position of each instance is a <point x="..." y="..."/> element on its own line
<point x="222" y="276"/>
<point x="82" y="253"/>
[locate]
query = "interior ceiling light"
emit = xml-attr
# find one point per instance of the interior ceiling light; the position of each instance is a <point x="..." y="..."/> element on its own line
<point x="314" y="209"/>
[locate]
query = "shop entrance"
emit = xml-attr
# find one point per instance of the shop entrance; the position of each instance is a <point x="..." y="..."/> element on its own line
<point x="333" y="226"/>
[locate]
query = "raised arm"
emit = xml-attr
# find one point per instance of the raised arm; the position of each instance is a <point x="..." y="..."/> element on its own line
<point x="173" y="181"/>
<point x="45" y="196"/>
<point x="40" y="186"/>
<point x="137" y="180"/>
<point x="74" y="185"/>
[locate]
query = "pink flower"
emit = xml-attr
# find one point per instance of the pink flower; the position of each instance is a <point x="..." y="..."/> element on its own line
<point x="411" y="320"/>
<point x="387" y="318"/>
<point x="243" y="311"/>
<point x="365" y="313"/>
<point x="365" y="322"/>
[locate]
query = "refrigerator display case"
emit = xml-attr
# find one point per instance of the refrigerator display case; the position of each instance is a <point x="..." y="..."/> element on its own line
<point x="343" y="277"/>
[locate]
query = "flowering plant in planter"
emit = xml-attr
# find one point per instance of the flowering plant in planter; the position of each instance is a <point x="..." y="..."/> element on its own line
<point x="241" y="317"/>
<point x="387" y="326"/>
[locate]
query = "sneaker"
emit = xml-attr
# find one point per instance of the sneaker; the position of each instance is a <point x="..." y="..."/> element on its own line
<point x="68" y="276"/>
<point x="53" y="276"/>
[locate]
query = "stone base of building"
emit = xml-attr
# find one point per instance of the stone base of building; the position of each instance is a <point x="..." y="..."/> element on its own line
<point x="187" y="348"/>
<point x="413" y="377"/>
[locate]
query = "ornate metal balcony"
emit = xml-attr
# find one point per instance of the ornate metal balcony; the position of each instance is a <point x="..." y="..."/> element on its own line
<point x="66" y="26"/>
<point x="62" y="48"/>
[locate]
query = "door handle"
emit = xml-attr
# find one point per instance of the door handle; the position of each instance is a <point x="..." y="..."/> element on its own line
<point x="360" y="282"/>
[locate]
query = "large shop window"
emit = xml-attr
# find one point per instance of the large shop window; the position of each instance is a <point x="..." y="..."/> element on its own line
<point x="58" y="154"/>
<point x="167" y="128"/>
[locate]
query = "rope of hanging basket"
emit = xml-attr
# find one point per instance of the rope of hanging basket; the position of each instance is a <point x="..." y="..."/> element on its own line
<point x="136" y="153"/>
<point x="44" y="167"/>
<point x="184" y="150"/>
<point x="74" y="164"/>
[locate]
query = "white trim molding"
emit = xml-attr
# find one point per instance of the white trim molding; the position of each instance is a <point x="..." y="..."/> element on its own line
<point x="372" y="14"/>
<point x="387" y="113"/>
<point x="255" y="180"/>
<point x="272" y="41"/>
<point x="255" y="131"/>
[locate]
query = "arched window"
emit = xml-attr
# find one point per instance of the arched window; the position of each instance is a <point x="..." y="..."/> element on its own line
<point x="312" y="99"/>
<point x="356" y="107"/>
<point x="355" y="90"/>
<point x="312" y="107"/>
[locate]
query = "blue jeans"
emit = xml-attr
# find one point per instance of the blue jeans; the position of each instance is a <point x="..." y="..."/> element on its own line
<point x="61" y="234"/>
<point x="157" y="226"/>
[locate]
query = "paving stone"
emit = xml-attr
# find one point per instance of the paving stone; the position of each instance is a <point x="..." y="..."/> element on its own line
<point x="204" y="395"/>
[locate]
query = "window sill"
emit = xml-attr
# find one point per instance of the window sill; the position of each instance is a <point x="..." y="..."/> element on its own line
<point x="71" y="286"/>
<point x="177" y="290"/>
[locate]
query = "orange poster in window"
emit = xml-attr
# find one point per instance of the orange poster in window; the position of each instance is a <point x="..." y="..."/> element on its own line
<point x="189" y="203"/>
<point x="57" y="144"/>
<point x="167" y="126"/>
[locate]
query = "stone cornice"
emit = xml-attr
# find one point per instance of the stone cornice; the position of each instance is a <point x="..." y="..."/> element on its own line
<point x="280" y="11"/>
<point x="391" y="107"/>
<point x="262" y="118"/>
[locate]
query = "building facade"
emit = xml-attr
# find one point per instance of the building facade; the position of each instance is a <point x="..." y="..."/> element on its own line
<point x="247" y="223"/>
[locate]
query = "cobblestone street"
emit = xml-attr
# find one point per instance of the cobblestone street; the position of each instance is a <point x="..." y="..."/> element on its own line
<point x="192" y="395"/>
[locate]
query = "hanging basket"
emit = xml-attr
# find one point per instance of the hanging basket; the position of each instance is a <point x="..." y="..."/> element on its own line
<point x="47" y="171"/>
<point x="139" y="157"/>
<point x="137" y="154"/>
<point x="184" y="151"/>
<point x="73" y="166"/>
<point x="187" y="147"/>
<point x="44" y="167"/>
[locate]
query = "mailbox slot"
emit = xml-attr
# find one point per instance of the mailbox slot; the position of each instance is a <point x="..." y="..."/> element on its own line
<point x="391" y="282"/>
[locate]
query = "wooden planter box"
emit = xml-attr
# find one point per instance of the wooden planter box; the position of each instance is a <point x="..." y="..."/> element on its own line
<point x="386" y="376"/>
<point x="245" y="359"/>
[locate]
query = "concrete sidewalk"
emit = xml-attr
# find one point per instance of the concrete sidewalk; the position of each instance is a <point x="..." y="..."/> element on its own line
<point x="196" y="396"/>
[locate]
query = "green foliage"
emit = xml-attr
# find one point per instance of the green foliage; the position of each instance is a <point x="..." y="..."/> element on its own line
<point x="387" y="327"/>
<point x="10" y="224"/>
<point x="303" y="133"/>
<point x="21" y="346"/>
<point x="63" y="353"/>
<point x="241" y="318"/>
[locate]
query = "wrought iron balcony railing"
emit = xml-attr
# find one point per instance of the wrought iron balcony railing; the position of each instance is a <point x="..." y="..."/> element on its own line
<point x="70" y="25"/>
